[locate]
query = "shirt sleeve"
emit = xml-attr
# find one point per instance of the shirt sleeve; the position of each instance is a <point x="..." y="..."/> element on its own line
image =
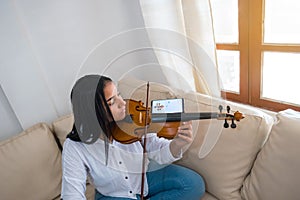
<point x="74" y="173"/>
<point x="158" y="149"/>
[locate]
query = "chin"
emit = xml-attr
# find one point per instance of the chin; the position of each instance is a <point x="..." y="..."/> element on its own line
<point x="121" y="117"/>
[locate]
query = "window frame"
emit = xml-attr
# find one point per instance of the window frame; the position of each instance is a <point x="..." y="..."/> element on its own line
<point x="251" y="47"/>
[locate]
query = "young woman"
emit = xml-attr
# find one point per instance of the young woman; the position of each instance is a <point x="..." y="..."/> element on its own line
<point x="91" y="152"/>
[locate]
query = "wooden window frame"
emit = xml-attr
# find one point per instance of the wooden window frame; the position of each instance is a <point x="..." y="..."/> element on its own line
<point x="251" y="48"/>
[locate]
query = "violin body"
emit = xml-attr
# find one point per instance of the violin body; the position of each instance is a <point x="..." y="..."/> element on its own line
<point x="139" y="121"/>
<point x="136" y="122"/>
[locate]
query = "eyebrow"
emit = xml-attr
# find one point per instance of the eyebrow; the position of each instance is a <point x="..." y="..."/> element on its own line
<point x="110" y="98"/>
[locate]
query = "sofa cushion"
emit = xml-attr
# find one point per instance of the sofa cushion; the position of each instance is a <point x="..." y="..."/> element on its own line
<point x="208" y="196"/>
<point x="275" y="174"/>
<point x="62" y="126"/>
<point x="131" y="88"/>
<point x="30" y="166"/>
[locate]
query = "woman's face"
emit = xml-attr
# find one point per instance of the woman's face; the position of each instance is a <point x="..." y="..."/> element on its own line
<point x="115" y="101"/>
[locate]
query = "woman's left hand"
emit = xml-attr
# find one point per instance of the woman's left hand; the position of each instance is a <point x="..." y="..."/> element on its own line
<point x="184" y="137"/>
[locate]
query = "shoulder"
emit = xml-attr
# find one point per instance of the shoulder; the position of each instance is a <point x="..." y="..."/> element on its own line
<point x="71" y="146"/>
<point x="71" y="143"/>
<point x="81" y="149"/>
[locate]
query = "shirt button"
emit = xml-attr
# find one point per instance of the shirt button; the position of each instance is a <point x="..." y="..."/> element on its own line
<point x="126" y="177"/>
<point x="130" y="192"/>
<point x="120" y="162"/>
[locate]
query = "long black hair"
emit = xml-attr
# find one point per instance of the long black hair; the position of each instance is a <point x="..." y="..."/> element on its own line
<point x="92" y="115"/>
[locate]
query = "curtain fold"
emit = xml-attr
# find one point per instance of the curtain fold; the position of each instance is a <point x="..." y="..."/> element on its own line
<point x="182" y="37"/>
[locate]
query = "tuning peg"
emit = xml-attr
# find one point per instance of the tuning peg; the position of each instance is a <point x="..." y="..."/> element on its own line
<point x="226" y="125"/>
<point x="220" y="108"/>
<point x="228" y="109"/>
<point x="233" y="125"/>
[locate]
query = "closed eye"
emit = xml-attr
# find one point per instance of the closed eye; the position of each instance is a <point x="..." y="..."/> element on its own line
<point x="111" y="101"/>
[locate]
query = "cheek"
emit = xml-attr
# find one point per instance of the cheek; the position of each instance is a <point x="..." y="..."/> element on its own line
<point x="115" y="113"/>
<point x="118" y="114"/>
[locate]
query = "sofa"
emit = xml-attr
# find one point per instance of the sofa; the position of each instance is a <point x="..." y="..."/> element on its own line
<point x="257" y="160"/>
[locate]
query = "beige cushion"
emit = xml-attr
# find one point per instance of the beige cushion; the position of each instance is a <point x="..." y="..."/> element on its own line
<point x="62" y="126"/>
<point x="30" y="166"/>
<point x="276" y="172"/>
<point x="131" y="88"/>
<point x="208" y="196"/>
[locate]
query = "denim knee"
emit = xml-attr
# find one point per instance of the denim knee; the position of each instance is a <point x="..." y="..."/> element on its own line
<point x="194" y="183"/>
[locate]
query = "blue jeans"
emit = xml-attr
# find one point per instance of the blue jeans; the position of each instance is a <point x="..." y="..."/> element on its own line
<point x="172" y="182"/>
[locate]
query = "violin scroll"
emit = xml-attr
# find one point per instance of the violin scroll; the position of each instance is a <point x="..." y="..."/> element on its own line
<point x="236" y="116"/>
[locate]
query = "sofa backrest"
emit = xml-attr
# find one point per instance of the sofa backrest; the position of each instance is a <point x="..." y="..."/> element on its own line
<point x="275" y="174"/>
<point x="62" y="126"/>
<point x="30" y="165"/>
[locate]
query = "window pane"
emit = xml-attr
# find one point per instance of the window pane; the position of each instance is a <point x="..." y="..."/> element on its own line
<point x="229" y="69"/>
<point x="225" y="20"/>
<point x="281" y="77"/>
<point x="282" y="24"/>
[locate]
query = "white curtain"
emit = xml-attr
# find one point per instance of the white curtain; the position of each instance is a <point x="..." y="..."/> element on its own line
<point x="182" y="37"/>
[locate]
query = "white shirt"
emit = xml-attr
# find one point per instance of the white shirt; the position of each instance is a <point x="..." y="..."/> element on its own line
<point x="122" y="175"/>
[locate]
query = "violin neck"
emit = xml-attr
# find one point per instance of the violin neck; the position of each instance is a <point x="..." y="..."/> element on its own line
<point x="175" y="117"/>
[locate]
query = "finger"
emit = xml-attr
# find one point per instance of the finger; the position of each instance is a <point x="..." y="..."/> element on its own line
<point x="185" y="137"/>
<point x="187" y="122"/>
<point x="185" y="132"/>
<point x="185" y="126"/>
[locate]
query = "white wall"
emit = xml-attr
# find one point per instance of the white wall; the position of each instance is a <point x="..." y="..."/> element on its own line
<point x="47" y="45"/>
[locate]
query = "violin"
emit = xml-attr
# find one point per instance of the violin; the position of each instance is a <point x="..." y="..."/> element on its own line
<point x="132" y="127"/>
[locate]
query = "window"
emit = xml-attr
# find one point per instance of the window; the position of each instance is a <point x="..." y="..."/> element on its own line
<point x="258" y="51"/>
